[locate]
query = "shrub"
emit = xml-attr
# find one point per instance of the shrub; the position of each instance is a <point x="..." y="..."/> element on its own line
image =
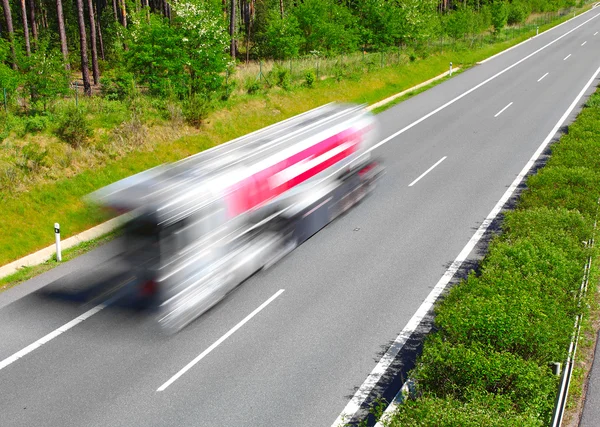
<point x="517" y="12"/>
<point x="196" y="108"/>
<point x="472" y="371"/>
<point x="36" y="124"/>
<point x="252" y="86"/>
<point x="117" y="84"/>
<point x="309" y="78"/>
<point x="283" y="77"/>
<point x="560" y="186"/>
<point x="523" y="302"/>
<point x="73" y="127"/>
<point x="431" y="411"/>
<point x="33" y="157"/>
<point x="499" y="15"/>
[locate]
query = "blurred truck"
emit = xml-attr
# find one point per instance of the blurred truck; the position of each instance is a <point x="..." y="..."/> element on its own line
<point x="201" y="226"/>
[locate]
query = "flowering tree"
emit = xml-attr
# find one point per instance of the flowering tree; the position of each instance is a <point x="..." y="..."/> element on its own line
<point x="185" y="56"/>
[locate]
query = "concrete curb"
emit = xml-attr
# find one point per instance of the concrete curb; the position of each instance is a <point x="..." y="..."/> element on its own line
<point x="419" y="86"/>
<point x="45" y="254"/>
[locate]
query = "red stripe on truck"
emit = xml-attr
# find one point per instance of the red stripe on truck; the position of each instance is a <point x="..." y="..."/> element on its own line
<point x="257" y="189"/>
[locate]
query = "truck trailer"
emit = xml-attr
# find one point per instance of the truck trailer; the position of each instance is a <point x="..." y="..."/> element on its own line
<point x="201" y="226"/>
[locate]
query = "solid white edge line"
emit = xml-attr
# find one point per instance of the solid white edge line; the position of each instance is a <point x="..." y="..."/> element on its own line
<point x="567" y="57"/>
<point x="596" y="33"/>
<point x="219" y="341"/>
<point x="503" y="110"/>
<point x="542" y="78"/>
<point x="50" y="336"/>
<point x="427" y="171"/>
<point x="474" y="88"/>
<point x="583" y="44"/>
<point x="365" y="389"/>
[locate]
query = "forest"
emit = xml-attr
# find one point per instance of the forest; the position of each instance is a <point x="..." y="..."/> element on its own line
<point x="83" y="82"/>
<point x="186" y="47"/>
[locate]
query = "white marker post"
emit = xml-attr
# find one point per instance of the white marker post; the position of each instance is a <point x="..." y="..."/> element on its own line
<point x="57" y="236"/>
<point x="451" y="69"/>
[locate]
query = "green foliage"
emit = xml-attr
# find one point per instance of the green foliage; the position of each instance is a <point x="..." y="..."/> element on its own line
<point x="117" y="84"/>
<point x="279" y="38"/>
<point x="488" y="411"/>
<point x="35" y="124"/>
<point x="460" y="22"/>
<point x="9" y="78"/>
<point x="561" y="186"/>
<point x="46" y="78"/>
<point x="33" y="157"/>
<point x="252" y="86"/>
<point x="309" y="78"/>
<point x="381" y="23"/>
<point x="282" y="76"/>
<point x="499" y="15"/>
<point x="73" y="127"/>
<point x="180" y="58"/>
<point x="471" y="371"/>
<point x="196" y="109"/>
<point x="327" y="27"/>
<point x="517" y="12"/>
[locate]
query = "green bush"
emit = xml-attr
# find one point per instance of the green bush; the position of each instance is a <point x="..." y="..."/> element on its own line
<point x="309" y="78"/>
<point x="36" y="124"/>
<point x="283" y="77"/>
<point x="252" y="87"/>
<point x="499" y="15"/>
<point x="196" y="108"/>
<point x="73" y="127"/>
<point x="431" y="411"/>
<point x="517" y="13"/>
<point x="523" y="302"/>
<point x="117" y="84"/>
<point x="567" y="187"/>
<point x="469" y="371"/>
<point x="33" y="157"/>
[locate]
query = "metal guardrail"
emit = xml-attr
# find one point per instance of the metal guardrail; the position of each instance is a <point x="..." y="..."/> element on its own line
<point x="565" y="381"/>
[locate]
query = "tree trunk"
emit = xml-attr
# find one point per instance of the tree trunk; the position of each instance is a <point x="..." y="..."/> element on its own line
<point x="25" y="28"/>
<point x="63" y="34"/>
<point x="99" y="30"/>
<point x="85" y="73"/>
<point x="34" y="28"/>
<point x="232" y="28"/>
<point x="123" y="13"/>
<point x="115" y="10"/>
<point x="11" y="32"/>
<point x="95" y="69"/>
<point x="281" y="8"/>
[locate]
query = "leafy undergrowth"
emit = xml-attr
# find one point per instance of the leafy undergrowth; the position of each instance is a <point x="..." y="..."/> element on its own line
<point x="499" y="331"/>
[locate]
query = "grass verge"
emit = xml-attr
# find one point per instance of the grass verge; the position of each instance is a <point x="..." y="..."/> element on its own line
<point x="26" y="273"/>
<point x="37" y="209"/>
<point x="498" y="332"/>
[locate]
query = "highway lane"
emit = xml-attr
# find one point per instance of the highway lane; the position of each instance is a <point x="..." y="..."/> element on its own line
<point x="348" y="291"/>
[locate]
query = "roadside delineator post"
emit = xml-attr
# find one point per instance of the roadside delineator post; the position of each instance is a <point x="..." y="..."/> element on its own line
<point x="57" y="237"/>
<point x="451" y="69"/>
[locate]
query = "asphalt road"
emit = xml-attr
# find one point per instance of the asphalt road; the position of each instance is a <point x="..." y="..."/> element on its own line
<point x="591" y="410"/>
<point x="349" y="291"/>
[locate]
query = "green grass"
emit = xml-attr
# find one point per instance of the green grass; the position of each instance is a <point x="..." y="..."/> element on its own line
<point x="26" y="273"/>
<point x="37" y="209"/>
<point x="499" y="331"/>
